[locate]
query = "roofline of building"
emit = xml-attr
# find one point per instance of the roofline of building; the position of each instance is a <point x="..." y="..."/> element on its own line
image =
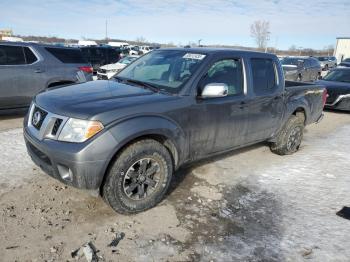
<point x="346" y="37"/>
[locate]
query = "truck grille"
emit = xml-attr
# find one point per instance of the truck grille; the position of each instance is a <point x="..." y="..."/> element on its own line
<point x="44" y="124"/>
<point x="38" y="117"/>
<point x="56" y="126"/>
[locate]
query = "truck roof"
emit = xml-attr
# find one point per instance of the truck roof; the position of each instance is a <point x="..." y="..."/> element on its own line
<point x="214" y="50"/>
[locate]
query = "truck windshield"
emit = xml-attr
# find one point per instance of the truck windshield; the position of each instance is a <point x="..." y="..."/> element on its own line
<point x="166" y="70"/>
<point x="338" y="76"/>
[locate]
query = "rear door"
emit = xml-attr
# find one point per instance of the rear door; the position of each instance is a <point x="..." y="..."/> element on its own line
<point x="266" y="99"/>
<point x="34" y="78"/>
<point x="18" y="79"/>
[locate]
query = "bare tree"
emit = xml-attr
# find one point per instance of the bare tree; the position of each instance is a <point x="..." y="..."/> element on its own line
<point x="259" y="30"/>
<point x="141" y="40"/>
<point x="329" y="49"/>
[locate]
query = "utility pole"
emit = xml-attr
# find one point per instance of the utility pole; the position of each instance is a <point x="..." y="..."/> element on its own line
<point x="106" y="31"/>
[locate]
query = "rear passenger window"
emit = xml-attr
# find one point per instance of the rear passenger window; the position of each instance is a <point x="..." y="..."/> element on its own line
<point x="11" y="55"/>
<point x="264" y="76"/>
<point x="229" y="72"/>
<point x="67" y="55"/>
<point x="30" y="57"/>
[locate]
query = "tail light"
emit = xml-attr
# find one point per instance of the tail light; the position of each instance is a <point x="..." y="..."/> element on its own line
<point x="86" y="69"/>
<point x="324" y="96"/>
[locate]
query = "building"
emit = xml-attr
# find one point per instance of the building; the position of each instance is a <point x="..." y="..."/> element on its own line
<point x="5" y="33"/>
<point x="342" y="48"/>
<point x="11" y="39"/>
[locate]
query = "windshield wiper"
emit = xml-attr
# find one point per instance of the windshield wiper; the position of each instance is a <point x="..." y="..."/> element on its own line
<point x="119" y="78"/>
<point x="143" y="84"/>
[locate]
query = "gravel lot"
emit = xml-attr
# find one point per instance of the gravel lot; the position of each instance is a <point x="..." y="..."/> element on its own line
<point x="249" y="205"/>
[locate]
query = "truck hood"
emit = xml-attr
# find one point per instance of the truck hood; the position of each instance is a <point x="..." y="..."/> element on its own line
<point x="334" y="85"/>
<point x="335" y="88"/>
<point x="92" y="99"/>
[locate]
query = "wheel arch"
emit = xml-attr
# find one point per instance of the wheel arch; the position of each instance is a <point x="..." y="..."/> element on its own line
<point x="159" y="129"/>
<point x="300" y="112"/>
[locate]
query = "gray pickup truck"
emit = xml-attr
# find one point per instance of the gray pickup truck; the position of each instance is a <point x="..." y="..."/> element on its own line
<point x="124" y="138"/>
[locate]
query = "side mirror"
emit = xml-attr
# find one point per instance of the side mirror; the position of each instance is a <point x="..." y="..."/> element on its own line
<point x="214" y="90"/>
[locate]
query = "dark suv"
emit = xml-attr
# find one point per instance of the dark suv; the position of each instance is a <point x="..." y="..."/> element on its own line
<point x="100" y="55"/>
<point x="305" y="69"/>
<point x="27" y="69"/>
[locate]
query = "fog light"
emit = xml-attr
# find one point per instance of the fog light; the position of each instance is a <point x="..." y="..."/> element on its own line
<point x="65" y="173"/>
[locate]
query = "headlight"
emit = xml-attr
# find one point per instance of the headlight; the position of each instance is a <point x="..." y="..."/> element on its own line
<point x="76" y="130"/>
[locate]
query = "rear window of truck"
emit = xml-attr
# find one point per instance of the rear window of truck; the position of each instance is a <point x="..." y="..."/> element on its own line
<point x="264" y="76"/>
<point x="67" y="56"/>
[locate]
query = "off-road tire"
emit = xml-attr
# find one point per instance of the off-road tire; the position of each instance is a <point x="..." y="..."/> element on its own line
<point x="283" y="144"/>
<point x="113" y="190"/>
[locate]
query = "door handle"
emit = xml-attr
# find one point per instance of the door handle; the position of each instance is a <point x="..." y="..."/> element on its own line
<point x="242" y="105"/>
<point x="38" y="71"/>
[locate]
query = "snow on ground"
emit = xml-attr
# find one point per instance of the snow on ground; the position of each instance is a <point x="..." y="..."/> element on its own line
<point x="15" y="162"/>
<point x="286" y="209"/>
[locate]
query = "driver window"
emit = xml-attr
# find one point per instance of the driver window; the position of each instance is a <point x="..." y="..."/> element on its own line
<point x="229" y="72"/>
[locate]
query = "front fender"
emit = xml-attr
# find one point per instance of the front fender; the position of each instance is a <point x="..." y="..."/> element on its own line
<point x="130" y="129"/>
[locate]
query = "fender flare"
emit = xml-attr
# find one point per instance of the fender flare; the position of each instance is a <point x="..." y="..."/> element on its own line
<point x="132" y="129"/>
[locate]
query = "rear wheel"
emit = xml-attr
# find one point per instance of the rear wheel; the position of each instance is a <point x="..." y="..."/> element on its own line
<point x="289" y="138"/>
<point x="139" y="177"/>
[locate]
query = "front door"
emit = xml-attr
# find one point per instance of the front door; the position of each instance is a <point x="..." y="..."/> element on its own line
<point x="220" y="123"/>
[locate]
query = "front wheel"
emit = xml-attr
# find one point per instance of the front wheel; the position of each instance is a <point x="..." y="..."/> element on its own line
<point x="289" y="138"/>
<point x="139" y="177"/>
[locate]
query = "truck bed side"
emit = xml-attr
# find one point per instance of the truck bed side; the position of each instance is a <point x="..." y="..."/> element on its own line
<point x="306" y="97"/>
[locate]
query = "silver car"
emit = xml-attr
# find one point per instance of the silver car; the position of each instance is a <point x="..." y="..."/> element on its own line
<point x="27" y="69"/>
<point x="327" y="62"/>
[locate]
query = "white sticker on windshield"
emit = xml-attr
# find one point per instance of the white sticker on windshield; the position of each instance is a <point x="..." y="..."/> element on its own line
<point x="194" y="56"/>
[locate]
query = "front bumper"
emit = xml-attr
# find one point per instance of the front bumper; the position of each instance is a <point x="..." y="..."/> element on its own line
<point x="81" y="165"/>
<point x="341" y="103"/>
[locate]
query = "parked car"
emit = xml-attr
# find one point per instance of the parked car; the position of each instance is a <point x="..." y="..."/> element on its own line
<point x="170" y="107"/>
<point x="337" y="83"/>
<point x="144" y="49"/>
<point x="108" y="71"/>
<point x="345" y="63"/>
<point x="304" y="69"/>
<point x="100" y="55"/>
<point x="28" y="68"/>
<point x="327" y="62"/>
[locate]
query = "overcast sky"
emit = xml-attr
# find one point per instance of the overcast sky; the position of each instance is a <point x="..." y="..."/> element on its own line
<point x="303" y="23"/>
